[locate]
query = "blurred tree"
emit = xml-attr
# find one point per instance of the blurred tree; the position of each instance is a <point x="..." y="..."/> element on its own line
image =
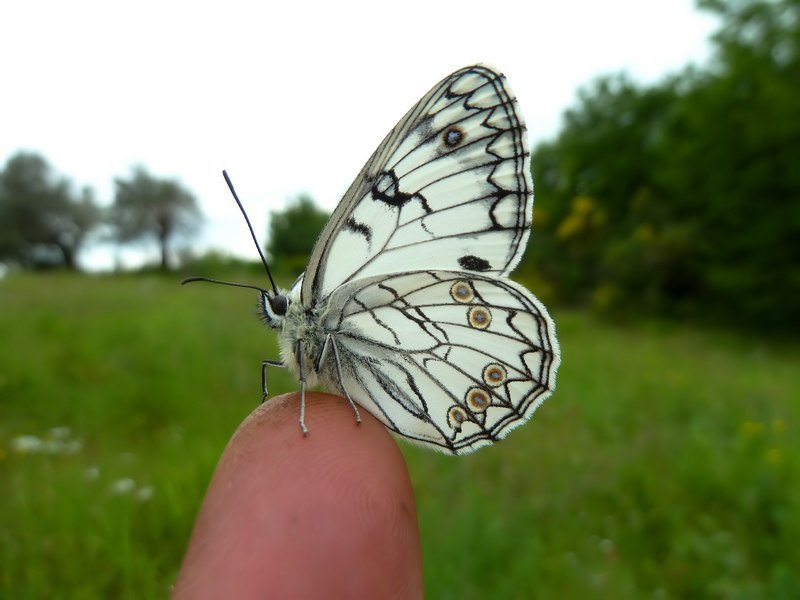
<point x="597" y="193"/>
<point x="43" y="223"/>
<point x="292" y="233"/>
<point x="738" y="127"/>
<point x="684" y="196"/>
<point x="147" y="207"/>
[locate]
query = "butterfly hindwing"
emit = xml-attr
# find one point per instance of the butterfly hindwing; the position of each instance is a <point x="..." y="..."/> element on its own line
<point x="452" y="360"/>
<point x="449" y="188"/>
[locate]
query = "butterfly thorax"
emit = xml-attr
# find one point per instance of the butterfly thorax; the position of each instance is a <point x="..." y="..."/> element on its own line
<point x="302" y="338"/>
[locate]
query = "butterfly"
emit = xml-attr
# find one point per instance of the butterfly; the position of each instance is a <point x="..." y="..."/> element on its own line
<point x="406" y="307"/>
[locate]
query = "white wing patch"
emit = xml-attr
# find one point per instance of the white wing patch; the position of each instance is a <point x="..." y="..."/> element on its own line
<point x="452" y="360"/>
<point x="449" y="188"/>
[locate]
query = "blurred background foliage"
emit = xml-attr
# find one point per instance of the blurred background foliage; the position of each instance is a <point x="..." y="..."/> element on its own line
<point x="678" y="198"/>
<point x="683" y="198"/>
<point x="292" y="233"/>
<point x="43" y="222"/>
<point x="668" y="464"/>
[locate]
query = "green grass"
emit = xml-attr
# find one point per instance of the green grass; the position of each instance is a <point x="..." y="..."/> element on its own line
<point x="667" y="465"/>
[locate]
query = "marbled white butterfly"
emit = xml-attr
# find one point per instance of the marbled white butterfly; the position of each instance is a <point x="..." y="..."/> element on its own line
<point x="406" y="307"/>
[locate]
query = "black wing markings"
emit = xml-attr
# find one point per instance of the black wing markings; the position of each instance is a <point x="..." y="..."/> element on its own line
<point x="361" y="228"/>
<point x="471" y="262"/>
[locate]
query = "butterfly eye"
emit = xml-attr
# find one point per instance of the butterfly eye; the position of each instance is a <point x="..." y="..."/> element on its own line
<point x="453" y="137"/>
<point x="279" y="305"/>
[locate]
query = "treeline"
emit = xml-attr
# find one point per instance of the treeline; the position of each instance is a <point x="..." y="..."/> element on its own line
<point x="683" y="197"/>
<point x="680" y="198"/>
<point x="45" y="222"/>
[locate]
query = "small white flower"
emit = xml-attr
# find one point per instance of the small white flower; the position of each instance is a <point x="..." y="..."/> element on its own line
<point x="607" y="546"/>
<point x="72" y="446"/>
<point x="23" y="444"/>
<point x="56" y="442"/>
<point x="144" y="493"/>
<point x="60" y="433"/>
<point x="123" y="486"/>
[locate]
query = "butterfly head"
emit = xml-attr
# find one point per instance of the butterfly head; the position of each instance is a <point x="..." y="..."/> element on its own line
<point x="275" y="305"/>
<point x="272" y="307"/>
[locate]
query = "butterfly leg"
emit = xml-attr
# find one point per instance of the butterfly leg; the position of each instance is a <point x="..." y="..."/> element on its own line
<point x="299" y="355"/>
<point x="330" y="340"/>
<point x="264" y="365"/>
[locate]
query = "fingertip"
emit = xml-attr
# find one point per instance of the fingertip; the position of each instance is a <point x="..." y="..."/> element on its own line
<point x="299" y="515"/>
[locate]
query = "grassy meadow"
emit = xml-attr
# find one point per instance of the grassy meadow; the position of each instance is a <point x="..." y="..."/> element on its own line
<point x="667" y="464"/>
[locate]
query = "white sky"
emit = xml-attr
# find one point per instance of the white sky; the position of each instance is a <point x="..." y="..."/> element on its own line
<point x="292" y="97"/>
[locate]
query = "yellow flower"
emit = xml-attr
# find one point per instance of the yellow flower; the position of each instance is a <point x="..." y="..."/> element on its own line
<point x="569" y="227"/>
<point x="584" y="214"/>
<point x="752" y="428"/>
<point x="582" y="205"/>
<point x="774" y="456"/>
<point x="644" y="233"/>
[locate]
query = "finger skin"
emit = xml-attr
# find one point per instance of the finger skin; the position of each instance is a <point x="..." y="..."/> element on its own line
<point x="286" y="516"/>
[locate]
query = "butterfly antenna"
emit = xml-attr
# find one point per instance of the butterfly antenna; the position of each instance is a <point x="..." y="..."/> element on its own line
<point x="252" y="234"/>
<point x="220" y="282"/>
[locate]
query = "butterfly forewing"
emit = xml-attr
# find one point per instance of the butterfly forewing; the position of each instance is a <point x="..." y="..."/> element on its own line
<point x="449" y="188"/>
<point x="452" y="360"/>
